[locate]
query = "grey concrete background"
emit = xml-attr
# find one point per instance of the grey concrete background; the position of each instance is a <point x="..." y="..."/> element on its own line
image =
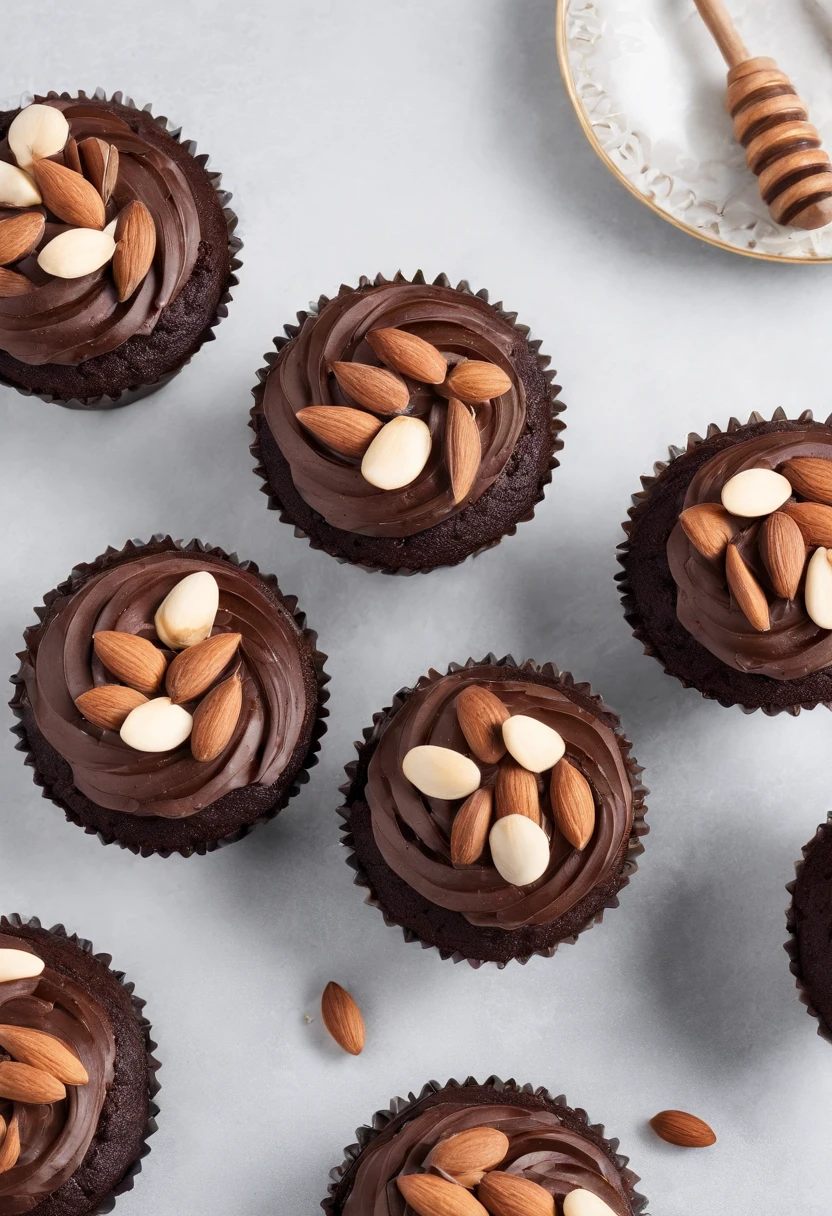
<point x="361" y="137"/>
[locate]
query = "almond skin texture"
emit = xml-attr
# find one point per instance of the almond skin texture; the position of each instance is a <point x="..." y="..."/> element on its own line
<point x="475" y="1151"/>
<point x="572" y="804"/>
<point x="347" y="431"/>
<point x="45" y="1052"/>
<point x="343" y="1019"/>
<point x="13" y="284"/>
<point x="709" y="528"/>
<point x="135" y="238"/>
<point x="510" y="1195"/>
<point x="430" y="1195"/>
<point x="747" y="592"/>
<point x="108" y="705"/>
<point x="470" y="830"/>
<point x="678" y="1127"/>
<point x="409" y="354"/>
<point x="474" y="381"/>
<point x="463" y="449"/>
<point x="814" y="520"/>
<point x="783" y="550"/>
<point x="132" y="659"/>
<point x="10" y="1148"/>
<point x="811" y="477"/>
<point x="19" y="235"/>
<point x="22" y="1083"/>
<point x="373" y="387"/>
<point x="193" y="671"/>
<point x="516" y="791"/>
<point x="72" y="158"/>
<point x="69" y="195"/>
<point x="481" y="716"/>
<point x="216" y="718"/>
<point x="101" y="163"/>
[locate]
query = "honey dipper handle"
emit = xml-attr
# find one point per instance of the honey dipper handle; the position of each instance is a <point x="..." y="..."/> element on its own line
<point x="725" y="33"/>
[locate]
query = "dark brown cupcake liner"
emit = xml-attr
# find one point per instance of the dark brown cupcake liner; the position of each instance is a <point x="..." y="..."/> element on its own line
<point x="130" y="395"/>
<point x="292" y="330"/>
<point x="133" y="548"/>
<point x="792" y="946"/>
<point x="639" y="828"/>
<point x="127" y="1182"/>
<point x="640" y="505"/>
<point x="367" y="1133"/>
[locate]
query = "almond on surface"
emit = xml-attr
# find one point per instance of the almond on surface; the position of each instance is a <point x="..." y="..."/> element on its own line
<point x="709" y="528"/>
<point x="585" y="1203"/>
<point x="186" y="614"/>
<point x="194" y="670"/>
<point x="14" y="284"/>
<point x="17" y="189"/>
<point x="477" y="1149"/>
<point x="10" y="1147"/>
<point x="156" y="726"/>
<point x="397" y="454"/>
<point x="814" y="520"/>
<point x="101" y="164"/>
<point x="516" y="792"/>
<point x="532" y="743"/>
<point x="408" y="354"/>
<point x="755" y="492"/>
<point x="107" y="705"/>
<point x="376" y="388"/>
<point x="475" y="380"/>
<point x="463" y="449"/>
<point x="43" y="1051"/>
<point x="216" y="718"/>
<point x="747" y="592"/>
<point x="519" y="849"/>
<point x="69" y="195"/>
<point x="135" y="237"/>
<point x="22" y="1083"/>
<point x="481" y="715"/>
<point x="76" y="252"/>
<point x="512" y="1195"/>
<point x="342" y="1018"/>
<point x="342" y="428"/>
<point x="811" y="477"/>
<point x="19" y="235"/>
<point x="441" y="772"/>
<point x="469" y="831"/>
<point x="572" y="804"/>
<point x="783" y="551"/>
<point x="678" y="1127"/>
<point x="134" y="660"/>
<point x="430" y="1195"/>
<point x="19" y="965"/>
<point x="817" y="592"/>
<point x="35" y="132"/>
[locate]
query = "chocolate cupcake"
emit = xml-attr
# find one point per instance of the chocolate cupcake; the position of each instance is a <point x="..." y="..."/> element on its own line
<point x="726" y="576"/>
<point x="116" y="250"/>
<point x="494" y="812"/>
<point x="404" y="425"/>
<point x="809" y="921"/>
<point x="77" y="1075"/>
<point x="239" y="723"/>
<point x="513" y="1147"/>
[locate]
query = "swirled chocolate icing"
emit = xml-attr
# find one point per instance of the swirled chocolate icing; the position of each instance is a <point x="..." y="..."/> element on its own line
<point x="54" y="1137"/>
<point x="794" y="646"/>
<point x="541" y="1148"/>
<point x="61" y="665"/>
<point x="68" y="321"/>
<point x="460" y="326"/>
<point x="413" y="831"/>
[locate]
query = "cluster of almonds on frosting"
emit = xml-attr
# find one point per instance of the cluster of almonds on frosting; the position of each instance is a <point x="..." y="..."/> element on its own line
<point x="787" y="529"/>
<point x="508" y="816"/>
<point x="76" y="188"/>
<point x="39" y="1067"/>
<point x="151" y="723"/>
<point x="469" y="1161"/>
<point x="394" y="452"/>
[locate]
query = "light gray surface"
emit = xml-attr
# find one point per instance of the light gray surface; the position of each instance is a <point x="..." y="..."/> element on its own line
<point x="433" y="133"/>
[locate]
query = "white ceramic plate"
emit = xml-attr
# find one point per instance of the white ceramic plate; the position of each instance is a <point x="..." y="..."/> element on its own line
<point x="648" y="83"/>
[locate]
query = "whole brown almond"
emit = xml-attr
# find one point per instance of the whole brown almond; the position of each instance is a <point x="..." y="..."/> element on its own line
<point x="107" y="705"/>
<point x="132" y="659"/>
<point x="72" y="158"/>
<point x="193" y="670"/>
<point x="481" y="716"/>
<point x="573" y="805"/>
<point x="511" y="1195"/>
<point x="43" y="1051"/>
<point x="810" y="476"/>
<point x="343" y="1019"/>
<point x="19" y="235"/>
<point x="814" y="520"/>
<point x="474" y="381"/>
<point x="783" y="550"/>
<point x="69" y="195"/>
<point x="709" y="528"/>
<point x="10" y="1148"/>
<point x="516" y="792"/>
<point x="747" y="592"/>
<point x="470" y="1152"/>
<point x="101" y="165"/>
<point x="13" y="284"/>
<point x="470" y="827"/>
<point x="341" y="428"/>
<point x="216" y="718"/>
<point x="22" y="1083"/>
<point x="678" y="1127"/>
<point x="373" y="387"/>
<point x="463" y="448"/>
<point x="409" y="354"/>
<point x="135" y="246"/>
<point x="430" y="1195"/>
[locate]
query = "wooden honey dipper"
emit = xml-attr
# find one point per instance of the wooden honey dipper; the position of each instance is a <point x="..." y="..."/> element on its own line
<point x="771" y="122"/>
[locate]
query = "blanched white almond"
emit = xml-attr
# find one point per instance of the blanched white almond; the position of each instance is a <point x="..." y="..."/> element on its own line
<point x="19" y="965"/>
<point x="755" y="492"/>
<point x="38" y="131"/>
<point x="585" y="1203"/>
<point x="76" y="252"/>
<point x="519" y="849"/>
<point x="440" y="772"/>
<point x="156" y="726"/>
<point x="17" y="189"/>
<point x="398" y="453"/>
<point x="186" y="614"/>
<point x="533" y="744"/>
<point x="818" y="590"/>
<point x="111" y="228"/>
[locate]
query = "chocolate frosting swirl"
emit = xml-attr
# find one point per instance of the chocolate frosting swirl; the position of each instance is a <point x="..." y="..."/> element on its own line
<point x="413" y="831"/>
<point x="54" y="1137"/>
<point x="461" y="326"/>
<point x="794" y="646"/>
<point x="71" y="320"/>
<point x="60" y="665"/>
<point x="541" y="1148"/>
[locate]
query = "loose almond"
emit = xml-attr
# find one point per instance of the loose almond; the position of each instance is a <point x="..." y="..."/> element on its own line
<point x="398" y="453"/>
<point x="783" y="550"/>
<point x="341" y="428"/>
<point x="747" y="592"/>
<point x="69" y="195"/>
<point x="216" y="718"/>
<point x="430" y="1195"/>
<point x="814" y="521"/>
<point x="810" y="476"/>
<point x="132" y="659"/>
<point x="374" y="387"/>
<point x="511" y="1195"/>
<point x="45" y="1052"/>
<point x="519" y="850"/>
<point x="156" y="726"/>
<point x="409" y="354"/>
<point x="19" y="965"/>
<point x="194" y="670"/>
<point x="585" y="1203"/>
<point x="19" y="235"/>
<point x="463" y="448"/>
<point x="709" y="528"/>
<point x="17" y="189"/>
<point x="481" y="715"/>
<point x="532" y="743"/>
<point x="342" y="1018"/>
<point x="818" y="590"/>
<point x="474" y="381"/>
<point x="572" y="804"/>
<point x="37" y="131"/>
<point x="516" y="791"/>
<point x="469" y="832"/>
<point x="135" y="247"/>
<point x="13" y="284"/>
<point x="107" y="705"/>
<point x="440" y="772"/>
<point x="22" y="1083"/>
<point x="755" y="492"/>
<point x="186" y="614"/>
<point x="678" y="1127"/>
<point x="470" y="1152"/>
<point x="101" y="163"/>
<point x="10" y="1148"/>
<point x="76" y="252"/>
